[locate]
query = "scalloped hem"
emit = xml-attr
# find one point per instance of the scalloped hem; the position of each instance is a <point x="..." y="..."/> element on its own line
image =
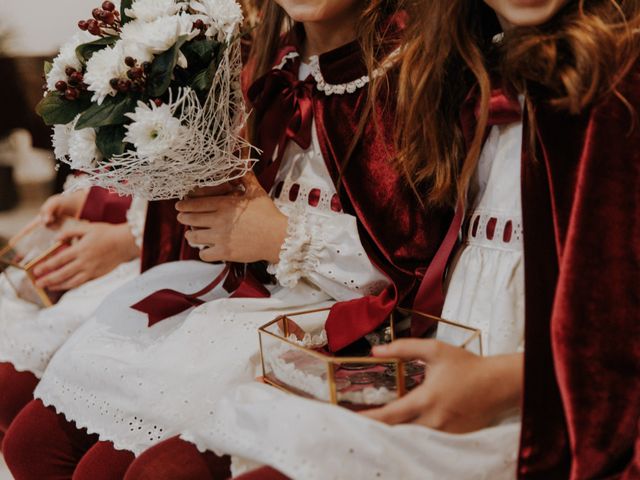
<point x="21" y="366"/>
<point x="83" y="423"/>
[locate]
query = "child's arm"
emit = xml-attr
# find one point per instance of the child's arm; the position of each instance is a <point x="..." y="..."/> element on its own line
<point x="324" y="248"/>
<point x="462" y="392"/>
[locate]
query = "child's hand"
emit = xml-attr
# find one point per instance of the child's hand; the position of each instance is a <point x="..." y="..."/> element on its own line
<point x="97" y="249"/>
<point x="239" y="226"/>
<point x="462" y="392"/>
<point x="63" y="205"/>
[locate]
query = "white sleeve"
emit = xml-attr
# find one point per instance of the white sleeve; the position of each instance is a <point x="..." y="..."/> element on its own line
<point x="136" y="218"/>
<point x="325" y="249"/>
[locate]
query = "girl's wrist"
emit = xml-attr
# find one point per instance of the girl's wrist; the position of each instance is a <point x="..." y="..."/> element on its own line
<point x="506" y="377"/>
<point x="127" y="242"/>
<point x="278" y="231"/>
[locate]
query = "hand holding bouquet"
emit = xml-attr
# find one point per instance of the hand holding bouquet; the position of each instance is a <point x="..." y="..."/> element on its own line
<point x="146" y="98"/>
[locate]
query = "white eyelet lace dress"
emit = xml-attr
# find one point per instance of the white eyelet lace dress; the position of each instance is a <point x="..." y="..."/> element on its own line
<point x="311" y="440"/>
<point x="136" y="386"/>
<point x="29" y="336"/>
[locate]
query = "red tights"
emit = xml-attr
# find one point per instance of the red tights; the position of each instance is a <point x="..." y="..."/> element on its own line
<point x="43" y="445"/>
<point x="16" y="390"/>
<point x="175" y="459"/>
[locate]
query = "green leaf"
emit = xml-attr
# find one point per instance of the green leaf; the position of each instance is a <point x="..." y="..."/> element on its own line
<point x="110" y="140"/>
<point x="200" y="52"/>
<point x="162" y="68"/>
<point x="124" y="5"/>
<point x="86" y="50"/>
<point x="55" y="110"/>
<point x="202" y="81"/>
<point x="47" y="67"/>
<point x="111" y="112"/>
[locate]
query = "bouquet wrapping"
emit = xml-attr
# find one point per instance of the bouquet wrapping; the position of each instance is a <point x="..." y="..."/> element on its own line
<point x="146" y="98"/>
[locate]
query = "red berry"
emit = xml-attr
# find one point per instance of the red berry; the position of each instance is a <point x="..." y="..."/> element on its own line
<point x="130" y="62"/>
<point x="82" y="25"/>
<point x="94" y="27"/>
<point x="124" y="86"/>
<point x="108" y="18"/>
<point x="69" y="71"/>
<point x="76" y="77"/>
<point x="61" y="85"/>
<point x="135" y="73"/>
<point x="108" y="6"/>
<point x="97" y="13"/>
<point x="198" y="24"/>
<point x="71" y="94"/>
<point x="157" y="101"/>
<point x="114" y="83"/>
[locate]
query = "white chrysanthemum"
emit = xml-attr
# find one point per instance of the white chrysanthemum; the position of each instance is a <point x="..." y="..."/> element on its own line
<point x="223" y="16"/>
<point x="67" y="58"/>
<point x="60" y="139"/>
<point x="156" y="37"/>
<point x="154" y="131"/>
<point x="149" y="10"/>
<point x="83" y="151"/>
<point x="101" y="68"/>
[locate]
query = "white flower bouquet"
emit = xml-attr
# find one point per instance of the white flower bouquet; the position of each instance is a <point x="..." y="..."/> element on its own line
<point x="146" y="97"/>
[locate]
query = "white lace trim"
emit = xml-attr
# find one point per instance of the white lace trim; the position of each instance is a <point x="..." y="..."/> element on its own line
<point x="300" y="253"/>
<point x="340" y="88"/>
<point x="136" y="218"/>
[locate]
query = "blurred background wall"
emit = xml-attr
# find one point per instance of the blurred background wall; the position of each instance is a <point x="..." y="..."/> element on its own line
<point x="30" y="32"/>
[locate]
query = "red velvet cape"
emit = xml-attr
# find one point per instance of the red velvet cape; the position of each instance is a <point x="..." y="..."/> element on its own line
<point x="101" y="205"/>
<point x="399" y="235"/>
<point x="581" y="209"/>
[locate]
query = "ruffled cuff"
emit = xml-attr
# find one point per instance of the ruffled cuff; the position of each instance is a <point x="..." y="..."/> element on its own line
<point x="300" y="253"/>
<point x="136" y="218"/>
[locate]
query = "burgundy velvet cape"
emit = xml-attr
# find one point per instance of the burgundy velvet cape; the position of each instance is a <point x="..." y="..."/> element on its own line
<point x="399" y="235"/>
<point x="581" y="213"/>
<point x="102" y="205"/>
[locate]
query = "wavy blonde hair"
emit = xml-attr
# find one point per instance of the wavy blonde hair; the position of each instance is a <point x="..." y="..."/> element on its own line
<point x="577" y="58"/>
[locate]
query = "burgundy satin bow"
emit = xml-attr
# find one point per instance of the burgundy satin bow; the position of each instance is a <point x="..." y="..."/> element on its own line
<point x="284" y="106"/>
<point x="166" y="303"/>
<point x="504" y="108"/>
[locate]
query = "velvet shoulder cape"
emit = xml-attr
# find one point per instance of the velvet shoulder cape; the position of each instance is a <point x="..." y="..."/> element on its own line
<point x="581" y="208"/>
<point x="398" y="233"/>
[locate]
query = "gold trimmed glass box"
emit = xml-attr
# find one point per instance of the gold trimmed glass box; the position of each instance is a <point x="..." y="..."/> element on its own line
<point x="295" y="359"/>
<point x="35" y="244"/>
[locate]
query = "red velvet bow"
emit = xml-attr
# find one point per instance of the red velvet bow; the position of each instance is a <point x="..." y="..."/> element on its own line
<point x="290" y="119"/>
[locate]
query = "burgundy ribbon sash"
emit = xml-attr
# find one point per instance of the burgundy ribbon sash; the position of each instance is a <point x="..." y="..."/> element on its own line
<point x="503" y="110"/>
<point x="166" y="303"/>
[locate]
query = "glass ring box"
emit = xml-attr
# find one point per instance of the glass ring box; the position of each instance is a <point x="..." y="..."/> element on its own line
<point x="23" y="253"/>
<point x="295" y="359"/>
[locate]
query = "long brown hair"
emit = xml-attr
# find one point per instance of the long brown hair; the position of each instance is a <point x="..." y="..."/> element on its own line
<point x="577" y="57"/>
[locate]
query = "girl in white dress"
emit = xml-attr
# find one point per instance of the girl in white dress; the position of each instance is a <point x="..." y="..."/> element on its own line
<point x="463" y="422"/>
<point x="102" y="258"/>
<point x="131" y="385"/>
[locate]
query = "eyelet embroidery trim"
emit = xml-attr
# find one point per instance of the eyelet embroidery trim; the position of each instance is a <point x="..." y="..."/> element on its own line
<point x="493" y="230"/>
<point x="339" y="88"/>
<point x="313" y="197"/>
